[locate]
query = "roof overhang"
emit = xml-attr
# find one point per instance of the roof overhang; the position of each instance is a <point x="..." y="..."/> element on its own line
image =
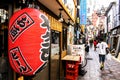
<point x="54" y="6"/>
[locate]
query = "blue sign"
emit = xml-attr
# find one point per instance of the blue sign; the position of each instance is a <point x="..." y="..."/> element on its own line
<point x="83" y="12"/>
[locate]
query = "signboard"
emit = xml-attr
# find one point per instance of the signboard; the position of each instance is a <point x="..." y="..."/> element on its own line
<point x="83" y="12"/>
<point x="28" y="41"/>
<point x="78" y="50"/>
<point x="55" y="49"/>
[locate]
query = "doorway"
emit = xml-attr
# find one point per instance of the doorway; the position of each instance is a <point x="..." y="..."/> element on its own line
<point x="55" y="56"/>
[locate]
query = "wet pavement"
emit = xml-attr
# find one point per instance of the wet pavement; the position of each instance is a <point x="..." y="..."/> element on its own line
<point x="110" y="72"/>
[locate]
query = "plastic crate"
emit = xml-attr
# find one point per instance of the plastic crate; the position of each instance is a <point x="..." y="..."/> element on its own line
<point x="72" y="67"/>
<point x="72" y="70"/>
<point x="73" y="62"/>
<point x="68" y="77"/>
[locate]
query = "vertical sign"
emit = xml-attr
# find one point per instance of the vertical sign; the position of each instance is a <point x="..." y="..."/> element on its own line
<point x="83" y="14"/>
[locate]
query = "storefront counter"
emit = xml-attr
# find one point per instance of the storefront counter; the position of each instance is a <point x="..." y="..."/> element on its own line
<point x="71" y="58"/>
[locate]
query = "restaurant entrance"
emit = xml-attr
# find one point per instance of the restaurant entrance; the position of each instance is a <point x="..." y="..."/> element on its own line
<point x="55" y="56"/>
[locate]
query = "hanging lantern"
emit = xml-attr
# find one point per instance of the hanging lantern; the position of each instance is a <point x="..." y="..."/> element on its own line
<point x="28" y="41"/>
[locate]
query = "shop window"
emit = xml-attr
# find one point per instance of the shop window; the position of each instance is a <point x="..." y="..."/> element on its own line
<point x="55" y="36"/>
<point x="64" y="38"/>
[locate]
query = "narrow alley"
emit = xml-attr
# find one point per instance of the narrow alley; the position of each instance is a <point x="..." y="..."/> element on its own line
<point x="48" y="39"/>
<point x="111" y="71"/>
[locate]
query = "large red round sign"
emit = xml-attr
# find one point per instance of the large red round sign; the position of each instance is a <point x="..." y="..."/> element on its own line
<point x="28" y="41"/>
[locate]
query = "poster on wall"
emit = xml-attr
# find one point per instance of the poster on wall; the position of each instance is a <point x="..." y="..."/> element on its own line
<point x="70" y="35"/>
<point x="28" y="41"/>
<point x="69" y="4"/>
<point x="54" y="49"/>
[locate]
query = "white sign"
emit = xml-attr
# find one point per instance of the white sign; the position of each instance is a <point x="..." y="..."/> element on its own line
<point x="54" y="49"/>
<point x="78" y="50"/>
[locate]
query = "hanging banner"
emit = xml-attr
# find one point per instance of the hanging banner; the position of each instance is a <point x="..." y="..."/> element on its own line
<point x="28" y="41"/>
<point x="83" y="12"/>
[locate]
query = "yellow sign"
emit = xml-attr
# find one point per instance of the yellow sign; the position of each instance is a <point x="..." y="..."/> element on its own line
<point x="83" y="28"/>
<point x="21" y="78"/>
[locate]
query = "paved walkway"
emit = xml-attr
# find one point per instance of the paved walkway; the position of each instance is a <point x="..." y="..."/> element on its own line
<point x="111" y="71"/>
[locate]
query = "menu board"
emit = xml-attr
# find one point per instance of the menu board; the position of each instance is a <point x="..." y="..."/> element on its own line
<point x="78" y="50"/>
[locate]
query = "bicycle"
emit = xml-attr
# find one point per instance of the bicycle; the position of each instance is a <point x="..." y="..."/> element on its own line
<point x="82" y="71"/>
<point x="84" y="62"/>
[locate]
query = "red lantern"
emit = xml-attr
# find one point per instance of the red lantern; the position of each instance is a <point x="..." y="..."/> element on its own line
<point x="28" y="41"/>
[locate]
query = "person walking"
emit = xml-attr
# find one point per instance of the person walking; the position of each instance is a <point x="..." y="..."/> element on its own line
<point x="102" y="46"/>
<point x="87" y="47"/>
<point x="95" y="43"/>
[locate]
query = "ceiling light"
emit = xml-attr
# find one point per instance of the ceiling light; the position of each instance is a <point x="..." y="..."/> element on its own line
<point x="60" y="16"/>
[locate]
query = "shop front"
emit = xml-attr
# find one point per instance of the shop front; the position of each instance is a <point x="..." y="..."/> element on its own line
<point x="115" y="41"/>
<point x="54" y="69"/>
<point x="60" y="34"/>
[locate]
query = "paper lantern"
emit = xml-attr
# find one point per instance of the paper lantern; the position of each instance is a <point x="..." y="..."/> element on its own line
<point x="28" y="41"/>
